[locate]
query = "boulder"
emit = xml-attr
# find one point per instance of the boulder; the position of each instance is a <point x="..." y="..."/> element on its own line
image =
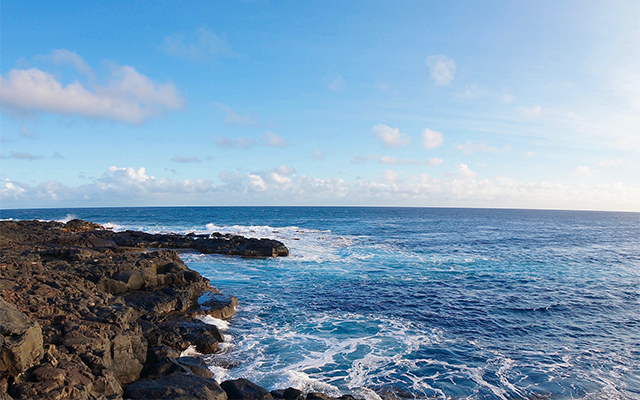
<point x="176" y="386"/>
<point x="21" y="343"/>
<point x="243" y="389"/>
<point x="196" y="365"/>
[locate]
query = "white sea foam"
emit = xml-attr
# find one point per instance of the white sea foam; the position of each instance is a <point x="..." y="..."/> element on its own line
<point x="219" y="323"/>
<point x="67" y="218"/>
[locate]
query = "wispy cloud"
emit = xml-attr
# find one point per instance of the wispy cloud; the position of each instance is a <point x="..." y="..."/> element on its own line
<point x="21" y="155"/>
<point x="337" y="84"/>
<point x="443" y="69"/>
<point x="273" y="140"/>
<point x="390" y="137"/>
<point x="129" y="95"/>
<point x="62" y="56"/>
<point x="232" y="117"/>
<point x="244" y="143"/>
<point x="185" y="160"/>
<point x="531" y="112"/>
<point x="471" y="147"/>
<point x="197" y="46"/>
<point x="26" y="132"/>
<point x="319" y="154"/>
<point x="585" y="172"/>
<point x="268" y="139"/>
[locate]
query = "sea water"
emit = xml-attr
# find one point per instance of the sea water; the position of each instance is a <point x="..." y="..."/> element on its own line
<point x="432" y="303"/>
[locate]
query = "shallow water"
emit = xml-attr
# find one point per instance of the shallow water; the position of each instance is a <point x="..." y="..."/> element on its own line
<point x="445" y="303"/>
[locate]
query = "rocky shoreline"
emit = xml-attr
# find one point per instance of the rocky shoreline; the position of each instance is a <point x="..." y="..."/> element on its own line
<point x="88" y="313"/>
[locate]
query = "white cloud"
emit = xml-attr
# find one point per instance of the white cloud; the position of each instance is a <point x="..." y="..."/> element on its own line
<point x="435" y="161"/>
<point x="281" y="186"/>
<point x="256" y="183"/>
<point x="233" y="118"/>
<point x="584" y="171"/>
<point x="431" y="139"/>
<point x="471" y="147"/>
<point x="391" y="137"/>
<point x="129" y="95"/>
<point x="200" y="45"/>
<point x="443" y="69"/>
<point x="390" y="176"/>
<point x="464" y="172"/>
<point x="273" y="140"/>
<point x="185" y="160"/>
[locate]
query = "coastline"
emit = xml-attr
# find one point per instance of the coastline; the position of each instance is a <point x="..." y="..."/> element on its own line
<point x="88" y="313"/>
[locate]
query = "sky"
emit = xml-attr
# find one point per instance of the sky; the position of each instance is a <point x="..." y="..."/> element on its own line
<point x="507" y="104"/>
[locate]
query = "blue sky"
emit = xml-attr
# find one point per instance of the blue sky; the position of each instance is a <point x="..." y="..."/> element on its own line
<point x="528" y="104"/>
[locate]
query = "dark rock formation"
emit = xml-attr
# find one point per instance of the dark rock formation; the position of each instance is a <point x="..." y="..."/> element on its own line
<point x="243" y="389"/>
<point x="86" y="312"/>
<point x="176" y="386"/>
<point x="20" y="340"/>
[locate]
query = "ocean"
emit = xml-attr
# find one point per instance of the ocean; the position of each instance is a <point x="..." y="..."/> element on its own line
<point x="428" y="302"/>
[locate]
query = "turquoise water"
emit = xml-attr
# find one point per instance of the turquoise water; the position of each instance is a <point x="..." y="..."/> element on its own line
<point x="444" y="303"/>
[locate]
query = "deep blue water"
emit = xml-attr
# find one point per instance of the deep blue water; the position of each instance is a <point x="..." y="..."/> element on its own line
<point x="444" y="303"/>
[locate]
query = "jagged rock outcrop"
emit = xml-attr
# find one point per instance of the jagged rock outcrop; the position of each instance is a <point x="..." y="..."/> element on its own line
<point x="88" y="313"/>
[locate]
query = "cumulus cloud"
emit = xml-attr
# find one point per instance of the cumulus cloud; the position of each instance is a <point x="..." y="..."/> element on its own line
<point x="471" y="147"/>
<point x="282" y="186"/>
<point x="185" y="160"/>
<point x="463" y="171"/>
<point x="232" y="117"/>
<point x="390" y="137"/>
<point x="431" y="139"/>
<point x="129" y="96"/>
<point x="21" y="155"/>
<point x="435" y="161"/>
<point x="443" y="69"/>
<point x="197" y="46"/>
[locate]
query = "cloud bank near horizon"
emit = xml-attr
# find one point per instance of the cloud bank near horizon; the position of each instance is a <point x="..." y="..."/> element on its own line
<point x="127" y="186"/>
